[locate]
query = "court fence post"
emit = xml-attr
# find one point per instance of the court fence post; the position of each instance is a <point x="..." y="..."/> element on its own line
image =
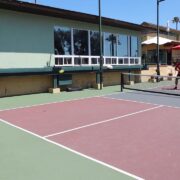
<point x="122" y="82"/>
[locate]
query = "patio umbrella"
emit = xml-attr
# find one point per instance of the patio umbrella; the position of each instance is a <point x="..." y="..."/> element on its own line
<point x="176" y="47"/>
<point x="154" y="41"/>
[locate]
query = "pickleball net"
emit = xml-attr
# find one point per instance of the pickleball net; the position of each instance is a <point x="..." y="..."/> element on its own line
<point x="150" y="83"/>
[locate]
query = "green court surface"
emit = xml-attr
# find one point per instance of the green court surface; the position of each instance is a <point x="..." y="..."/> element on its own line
<point x="35" y="99"/>
<point x="24" y="156"/>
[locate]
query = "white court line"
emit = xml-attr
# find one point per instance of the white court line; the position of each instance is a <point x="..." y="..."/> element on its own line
<point x="128" y="100"/>
<point x="56" y="102"/>
<point x="73" y="151"/>
<point x="142" y="102"/>
<point x="76" y="99"/>
<point x="101" y="122"/>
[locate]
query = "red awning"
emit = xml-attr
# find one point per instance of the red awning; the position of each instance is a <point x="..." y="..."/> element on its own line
<point x="176" y="47"/>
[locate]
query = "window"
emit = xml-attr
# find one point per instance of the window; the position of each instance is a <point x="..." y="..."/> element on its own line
<point x="151" y="57"/>
<point x="68" y="41"/>
<point x="94" y="40"/>
<point x="110" y="45"/>
<point x="134" y="46"/>
<point x="62" y="40"/>
<point x="122" y="46"/>
<point x="80" y="42"/>
<point x="64" y="79"/>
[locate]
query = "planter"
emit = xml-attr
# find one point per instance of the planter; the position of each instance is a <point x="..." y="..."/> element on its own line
<point x="170" y="77"/>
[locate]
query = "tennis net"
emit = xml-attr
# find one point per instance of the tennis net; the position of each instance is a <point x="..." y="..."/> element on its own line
<point x="150" y="83"/>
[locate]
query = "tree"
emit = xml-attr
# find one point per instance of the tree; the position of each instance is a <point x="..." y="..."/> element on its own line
<point x="176" y="20"/>
<point x="112" y="39"/>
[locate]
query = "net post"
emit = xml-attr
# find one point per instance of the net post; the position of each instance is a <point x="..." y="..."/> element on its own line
<point x="122" y="82"/>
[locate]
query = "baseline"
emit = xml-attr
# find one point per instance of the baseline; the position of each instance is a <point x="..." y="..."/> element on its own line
<point x="56" y="102"/>
<point x="165" y="101"/>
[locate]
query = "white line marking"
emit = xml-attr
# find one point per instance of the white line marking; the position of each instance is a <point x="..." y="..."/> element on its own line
<point x="176" y="107"/>
<point x="142" y="102"/>
<point x="73" y="151"/>
<point x="56" y="102"/>
<point x="76" y="99"/>
<point x="101" y="122"/>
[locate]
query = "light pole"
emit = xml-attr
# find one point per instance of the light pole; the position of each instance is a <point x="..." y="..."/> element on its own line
<point x="158" y="69"/>
<point x="100" y="48"/>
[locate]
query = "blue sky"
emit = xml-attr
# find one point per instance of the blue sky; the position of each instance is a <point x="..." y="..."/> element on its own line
<point x="134" y="11"/>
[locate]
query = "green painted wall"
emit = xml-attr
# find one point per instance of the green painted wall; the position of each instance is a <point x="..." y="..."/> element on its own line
<point x="27" y="40"/>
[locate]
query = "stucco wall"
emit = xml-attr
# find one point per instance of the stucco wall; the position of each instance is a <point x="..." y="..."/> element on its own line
<point x="164" y="71"/>
<point x="85" y="80"/>
<point x="111" y="78"/>
<point x="176" y="55"/>
<point x="18" y="85"/>
<point x="88" y="80"/>
<point x="27" y="40"/>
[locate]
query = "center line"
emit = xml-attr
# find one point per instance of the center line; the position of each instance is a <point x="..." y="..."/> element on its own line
<point x="101" y="122"/>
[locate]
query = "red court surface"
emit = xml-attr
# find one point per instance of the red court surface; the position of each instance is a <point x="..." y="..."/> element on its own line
<point x="146" y="144"/>
<point x="52" y="118"/>
<point x="139" y="138"/>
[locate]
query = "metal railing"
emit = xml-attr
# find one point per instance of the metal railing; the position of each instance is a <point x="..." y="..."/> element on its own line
<point x="75" y="60"/>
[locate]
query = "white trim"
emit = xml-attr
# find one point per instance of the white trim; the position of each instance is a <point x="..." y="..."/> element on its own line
<point x="72" y="42"/>
<point x="89" y="43"/>
<point x="135" y="59"/>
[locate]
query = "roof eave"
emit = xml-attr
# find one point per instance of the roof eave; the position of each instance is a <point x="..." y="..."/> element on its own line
<point x="66" y="14"/>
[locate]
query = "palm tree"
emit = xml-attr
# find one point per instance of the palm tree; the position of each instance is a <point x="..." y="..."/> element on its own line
<point x="176" y="20"/>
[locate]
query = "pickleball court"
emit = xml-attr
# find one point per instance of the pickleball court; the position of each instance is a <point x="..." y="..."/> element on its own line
<point x="127" y="132"/>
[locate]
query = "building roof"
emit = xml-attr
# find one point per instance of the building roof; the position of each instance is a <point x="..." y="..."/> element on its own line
<point x="153" y="27"/>
<point x="66" y="14"/>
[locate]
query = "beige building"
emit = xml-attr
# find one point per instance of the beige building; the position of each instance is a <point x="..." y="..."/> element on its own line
<point x="168" y="38"/>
